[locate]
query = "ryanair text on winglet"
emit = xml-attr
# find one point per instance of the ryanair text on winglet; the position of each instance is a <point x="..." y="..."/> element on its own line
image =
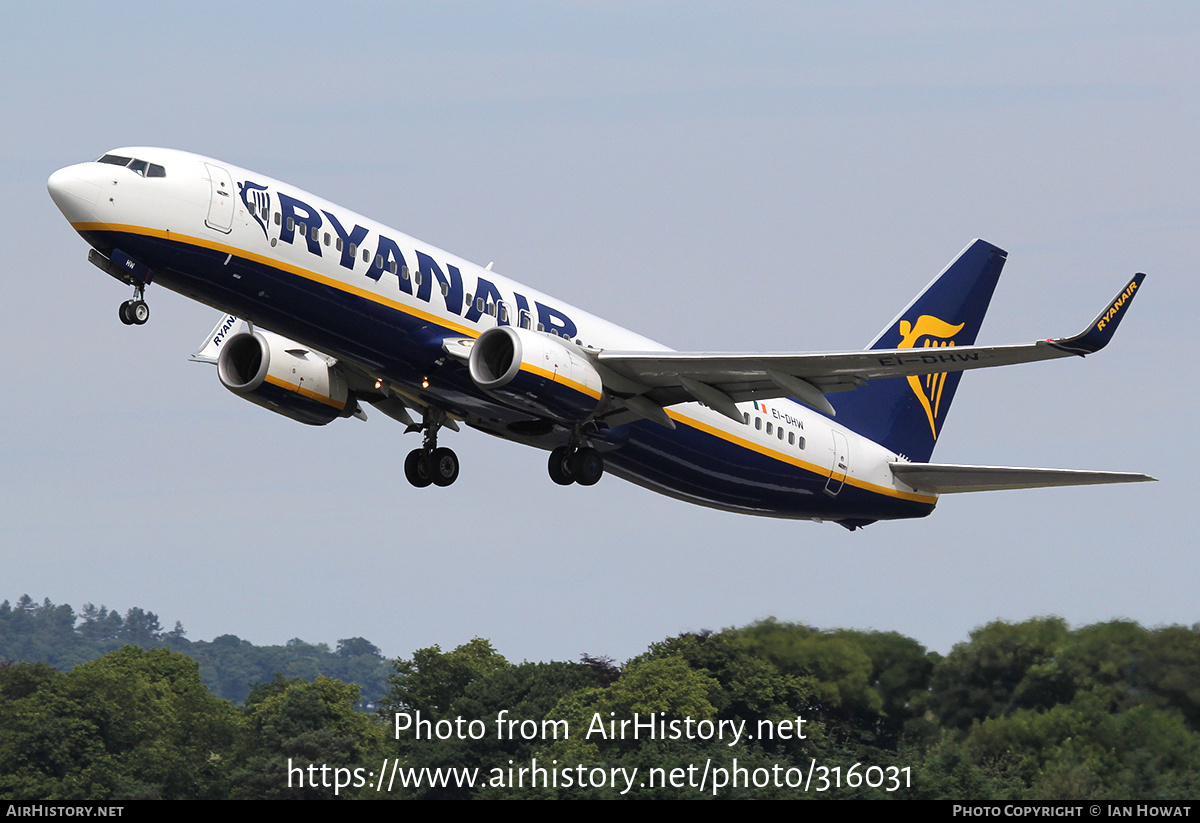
<point x="1117" y="305"/>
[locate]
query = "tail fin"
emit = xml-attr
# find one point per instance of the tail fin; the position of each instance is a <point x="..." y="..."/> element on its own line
<point x="905" y="414"/>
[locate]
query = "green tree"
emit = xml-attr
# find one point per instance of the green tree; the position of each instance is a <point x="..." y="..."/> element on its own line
<point x="292" y="725"/>
<point x="132" y="724"/>
<point x="140" y="627"/>
<point x="663" y="687"/>
<point x="431" y="681"/>
<point x="1003" y="667"/>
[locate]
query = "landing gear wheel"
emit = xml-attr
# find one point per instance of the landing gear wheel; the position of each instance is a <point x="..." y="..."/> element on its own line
<point x="417" y="468"/>
<point x="560" y="466"/>
<point x="138" y="312"/>
<point x="443" y="466"/>
<point x="587" y="466"/>
<point x="124" y="313"/>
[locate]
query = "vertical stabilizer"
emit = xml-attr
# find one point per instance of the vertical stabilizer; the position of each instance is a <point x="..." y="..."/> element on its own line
<point x="905" y="414"/>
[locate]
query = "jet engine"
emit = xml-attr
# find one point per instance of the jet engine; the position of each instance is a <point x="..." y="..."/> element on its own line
<point x="537" y="373"/>
<point x="283" y="376"/>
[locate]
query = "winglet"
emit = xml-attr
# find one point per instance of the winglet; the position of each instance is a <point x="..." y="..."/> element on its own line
<point x="210" y="349"/>
<point x="1097" y="335"/>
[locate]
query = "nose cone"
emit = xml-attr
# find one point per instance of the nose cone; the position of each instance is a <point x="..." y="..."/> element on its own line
<point x="75" y="191"/>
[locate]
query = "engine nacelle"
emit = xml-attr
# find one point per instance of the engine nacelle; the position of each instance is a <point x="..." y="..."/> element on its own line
<point x="285" y="377"/>
<point x="537" y="373"/>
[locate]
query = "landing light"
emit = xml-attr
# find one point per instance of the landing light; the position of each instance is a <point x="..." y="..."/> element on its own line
<point x="425" y="382"/>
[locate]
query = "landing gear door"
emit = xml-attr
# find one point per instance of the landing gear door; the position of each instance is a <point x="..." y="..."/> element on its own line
<point x="220" y="206"/>
<point x="841" y="464"/>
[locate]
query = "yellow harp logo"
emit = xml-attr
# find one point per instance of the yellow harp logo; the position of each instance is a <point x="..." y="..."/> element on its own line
<point x="929" y="332"/>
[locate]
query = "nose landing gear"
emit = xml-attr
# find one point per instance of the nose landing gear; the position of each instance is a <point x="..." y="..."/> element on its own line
<point x="135" y="312"/>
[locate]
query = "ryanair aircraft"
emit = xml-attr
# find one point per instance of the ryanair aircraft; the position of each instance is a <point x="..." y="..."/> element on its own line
<point x="326" y="311"/>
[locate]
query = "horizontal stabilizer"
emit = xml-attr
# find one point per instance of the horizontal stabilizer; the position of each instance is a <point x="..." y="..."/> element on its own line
<point x="945" y="478"/>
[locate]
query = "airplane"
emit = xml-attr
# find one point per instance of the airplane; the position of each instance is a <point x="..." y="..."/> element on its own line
<point x="325" y="310"/>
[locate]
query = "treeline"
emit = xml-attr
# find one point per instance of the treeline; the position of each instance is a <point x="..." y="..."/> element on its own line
<point x="1032" y="710"/>
<point x="229" y="665"/>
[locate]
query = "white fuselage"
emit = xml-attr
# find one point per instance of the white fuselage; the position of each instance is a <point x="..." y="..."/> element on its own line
<point x="384" y="302"/>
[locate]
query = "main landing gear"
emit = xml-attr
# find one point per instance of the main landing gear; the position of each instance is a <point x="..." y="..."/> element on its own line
<point x="135" y="312"/>
<point x="430" y="464"/>
<point x="583" y="466"/>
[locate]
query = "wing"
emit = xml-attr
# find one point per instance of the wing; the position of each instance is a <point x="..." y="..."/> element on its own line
<point x="721" y="380"/>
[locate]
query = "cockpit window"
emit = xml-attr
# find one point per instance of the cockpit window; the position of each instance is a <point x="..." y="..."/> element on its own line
<point x="139" y="166"/>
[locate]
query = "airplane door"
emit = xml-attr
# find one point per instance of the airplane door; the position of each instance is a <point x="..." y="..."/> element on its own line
<point x="220" y="206"/>
<point x="841" y="463"/>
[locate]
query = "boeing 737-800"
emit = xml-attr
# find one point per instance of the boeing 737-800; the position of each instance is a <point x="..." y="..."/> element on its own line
<point x="326" y="310"/>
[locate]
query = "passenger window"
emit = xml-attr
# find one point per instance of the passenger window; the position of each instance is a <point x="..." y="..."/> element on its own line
<point x="770" y="426"/>
<point x="417" y="278"/>
<point x="394" y="268"/>
<point x="802" y="441"/>
<point x="541" y="326"/>
<point x="379" y="261"/>
<point x="278" y="218"/>
<point x="338" y="245"/>
<point x="291" y="224"/>
<point x="326" y="238"/>
<point x="492" y="309"/>
<point x="445" y="289"/>
<point x="780" y="432"/>
<point x="503" y="314"/>
<point x="315" y="233"/>
<point x="366" y="256"/>
<point x="479" y="304"/>
<point x="746" y="418"/>
<point x="758" y="423"/>
<point x="353" y="249"/>
<point x="791" y="438"/>
<point x="404" y="272"/>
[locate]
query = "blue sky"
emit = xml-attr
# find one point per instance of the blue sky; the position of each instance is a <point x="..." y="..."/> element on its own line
<point x="765" y="177"/>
